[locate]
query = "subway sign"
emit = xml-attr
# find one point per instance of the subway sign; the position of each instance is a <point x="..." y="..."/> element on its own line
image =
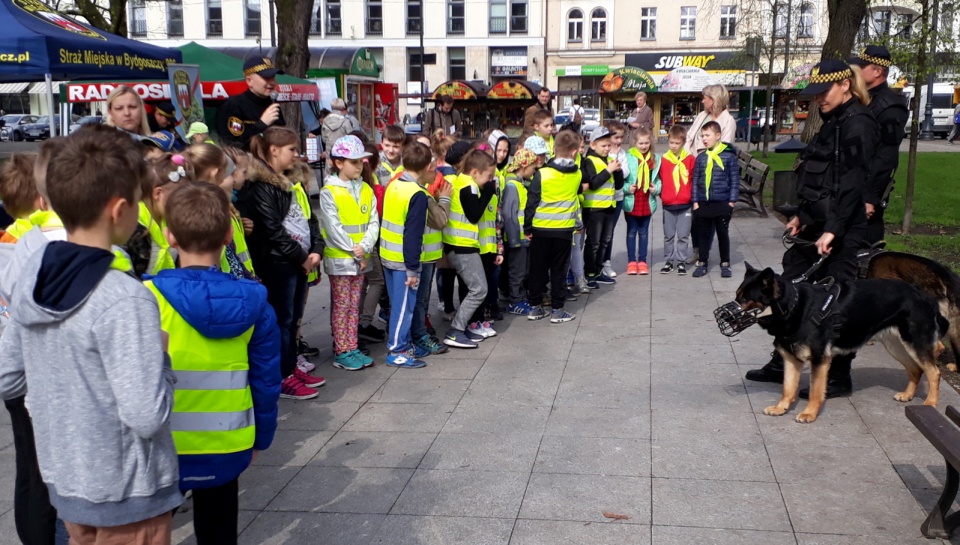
<point x="667" y="61"/>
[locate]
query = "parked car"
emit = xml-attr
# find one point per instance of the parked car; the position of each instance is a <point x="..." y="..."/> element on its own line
<point x="83" y="121"/>
<point x="11" y="126"/>
<point x="40" y="130"/>
<point x="591" y="120"/>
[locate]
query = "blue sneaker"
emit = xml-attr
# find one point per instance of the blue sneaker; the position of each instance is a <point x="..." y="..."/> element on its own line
<point x="404" y="360"/>
<point x="521" y="308"/>
<point x="570" y="280"/>
<point x="459" y="339"/>
<point x="559" y="316"/>
<point x="701" y="269"/>
<point x="431" y="345"/>
<point x="537" y="313"/>
<point x="604" y="279"/>
<point x="420" y="351"/>
<point x="592" y="283"/>
<point x="349" y="361"/>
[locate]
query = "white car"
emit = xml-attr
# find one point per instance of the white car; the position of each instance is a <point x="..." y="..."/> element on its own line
<point x="591" y="120"/>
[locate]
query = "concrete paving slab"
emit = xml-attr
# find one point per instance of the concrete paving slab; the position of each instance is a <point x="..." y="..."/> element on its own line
<point x="271" y="528"/>
<point x="555" y="496"/>
<point x="458" y="493"/>
<point x="293" y="448"/>
<point x="719" y="504"/>
<point x="183" y="526"/>
<point x="862" y="509"/>
<point x="259" y="485"/>
<point x="597" y="422"/>
<point x="551" y="532"/>
<point x="417" y="530"/>
<point x="594" y="456"/>
<point x="408" y="417"/>
<point x="375" y="449"/>
<point x="826" y="539"/>
<point x="342" y="490"/>
<point x="313" y="415"/>
<point x="6" y="435"/>
<point x="676" y="535"/>
<point x="412" y="389"/>
<point x="453" y="369"/>
<point x="483" y="417"/>
<point x="483" y="451"/>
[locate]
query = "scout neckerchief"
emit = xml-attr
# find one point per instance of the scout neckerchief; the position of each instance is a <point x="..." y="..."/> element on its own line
<point x="713" y="156"/>
<point x="644" y="175"/>
<point x="680" y="173"/>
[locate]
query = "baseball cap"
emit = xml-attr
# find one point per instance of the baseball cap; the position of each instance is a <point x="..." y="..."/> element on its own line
<point x="197" y="127"/>
<point x="349" y="147"/>
<point x="872" y="54"/>
<point x="537" y="145"/>
<point x="161" y="139"/>
<point x="262" y="66"/>
<point x="825" y="74"/>
<point x="599" y="133"/>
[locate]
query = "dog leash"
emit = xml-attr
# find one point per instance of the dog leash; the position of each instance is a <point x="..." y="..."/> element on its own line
<point x="788" y="242"/>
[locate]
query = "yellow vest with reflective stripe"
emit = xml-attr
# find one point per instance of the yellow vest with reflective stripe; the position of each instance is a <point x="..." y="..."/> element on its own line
<point x="514" y="181"/>
<point x="240" y="241"/>
<point x="550" y="147"/>
<point x="354" y="216"/>
<point x="212" y="403"/>
<point x="396" y="206"/>
<point x="558" y="205"/>
<point x="44" y="219"/>
<point x="393" y="171"/>
<point x="459" y="231"/>
<point x="304" y="201"/>
<point x="487" y="228"/>
<point x="164" y="257"/>
<point x="604" y="196"/>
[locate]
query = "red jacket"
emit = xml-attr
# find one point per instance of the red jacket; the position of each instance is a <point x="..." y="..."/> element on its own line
<point x="670" y="195"/>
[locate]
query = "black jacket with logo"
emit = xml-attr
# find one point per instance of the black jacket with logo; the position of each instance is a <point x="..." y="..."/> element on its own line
<point x="890" y="111"/>
<point x="238" y="119"/>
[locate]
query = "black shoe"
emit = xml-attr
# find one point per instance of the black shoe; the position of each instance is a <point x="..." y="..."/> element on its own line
<point x="363" y="349"/>
<point x="771" y="372"/>
<point x="306" y="350"/>
<point x="835" y="388"/>
<point x="571" y="295"/>
<point x="371" y="334"/>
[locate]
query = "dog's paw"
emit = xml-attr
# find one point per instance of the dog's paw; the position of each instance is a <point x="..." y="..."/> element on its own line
<point x="930" y="403"/>
<point x="774" y="410"/>
<point x="806" y="418"/>
<point x="902" y="396"/>
<point x="952" y="367"/>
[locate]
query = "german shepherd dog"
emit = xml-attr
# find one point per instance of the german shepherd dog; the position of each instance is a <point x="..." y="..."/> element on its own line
<point x="813" y="323"/>
<point x="934" y="279"/>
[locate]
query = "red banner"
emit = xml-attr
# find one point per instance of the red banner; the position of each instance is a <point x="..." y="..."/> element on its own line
<point x="212" y="90"/>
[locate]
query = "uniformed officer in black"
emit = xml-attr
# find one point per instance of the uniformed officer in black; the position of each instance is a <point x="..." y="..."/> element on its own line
<point x="890" y="110"/>
<point x="242" y="116"/>
<point x="832" y="217"/>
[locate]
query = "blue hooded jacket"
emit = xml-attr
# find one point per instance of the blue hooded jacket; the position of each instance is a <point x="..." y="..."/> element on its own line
<point x="220" y="307"/>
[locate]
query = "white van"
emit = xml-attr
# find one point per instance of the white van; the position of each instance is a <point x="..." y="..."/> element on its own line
<point x="942" y="107"/>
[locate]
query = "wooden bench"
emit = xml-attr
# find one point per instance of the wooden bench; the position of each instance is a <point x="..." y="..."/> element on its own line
<point x="945" y="437"/>
<point x="753" y="177"/>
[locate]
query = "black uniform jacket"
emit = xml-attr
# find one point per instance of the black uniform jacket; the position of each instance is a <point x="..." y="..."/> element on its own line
<point x="238" y="119"/>
<point x="890" y="111"/>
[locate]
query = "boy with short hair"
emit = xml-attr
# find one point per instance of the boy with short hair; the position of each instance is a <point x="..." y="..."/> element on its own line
<point x="545" y="127"/>
<point x="676" y="165"/>
<point x="225" y="350"/>
<point x="22" y="200"/>
<point x="716" y="187"/>
<point x="602" y="178"/>
<point x="391" y="157"/>
<point x="401" y="251"/>
<point x="110" y="465"/>
<point x="550" y="218"/>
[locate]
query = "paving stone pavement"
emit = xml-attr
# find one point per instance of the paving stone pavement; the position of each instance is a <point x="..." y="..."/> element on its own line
<point x="638" y="408"/>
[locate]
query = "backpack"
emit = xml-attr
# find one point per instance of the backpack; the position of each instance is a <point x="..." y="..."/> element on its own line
<point x="578" y="115"/>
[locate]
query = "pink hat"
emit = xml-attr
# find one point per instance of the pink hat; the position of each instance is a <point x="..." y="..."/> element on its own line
<point x="349" y="147"/>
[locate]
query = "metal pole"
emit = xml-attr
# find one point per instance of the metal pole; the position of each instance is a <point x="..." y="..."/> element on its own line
<point x="273" y="27"/>
<point x="927" y="133"/>
<point x="53" y="125"/>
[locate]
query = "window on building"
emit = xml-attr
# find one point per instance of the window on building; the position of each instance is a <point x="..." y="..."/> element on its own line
<point x="498" y="16"/>
<point x="728" y="22"/>
<point x="598" y="25"/>
<point x="780" y="23"/>
<point x="456" y="17"/>
<point x="414" y="16"/>
<point x="881" y="22"/>
<point x="457" y="62"/>
<point x="316" y="18"/>
<point x="253" y="17"/>
<point x="688" y="23"/>
<point x="175" y="18"/>
<point x="575" y="26"/>
<point x="375" y="17"/>
<point x="905" y="26"/>
<point x="413" y="64"/>
<point x="945" y="24"/>
<point x="138" y="18"/>
<point x="214" y="18"/>
<point x="334" y="21"/>
<point x="648" y="23"/>
<point x="518" y="16"/>
<point x="805" y="30"/>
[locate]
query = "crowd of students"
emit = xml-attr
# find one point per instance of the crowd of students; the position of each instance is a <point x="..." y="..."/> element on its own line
<point x="168" y="288"/>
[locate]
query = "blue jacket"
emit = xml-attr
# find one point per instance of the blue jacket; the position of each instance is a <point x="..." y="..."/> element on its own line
<point x="219" y="307"/>
<point x="724" y="185"/>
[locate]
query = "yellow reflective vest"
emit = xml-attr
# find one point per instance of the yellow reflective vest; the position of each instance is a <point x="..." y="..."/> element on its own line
<point x="44" y="219"/>
<point x="212" y="402"/>
<point x="558" y="205"/>
<point x="515" y="182"/>
<point x="604" y="196"/>
<point x="240" y="241"/>
<point x="164" y="259"/>
<point x="487" y="228"/>
<point x="304" y="201"/>
<point x="354" y="216"/>
<point x="396" y="206"/>
<point x="459" y="231"/>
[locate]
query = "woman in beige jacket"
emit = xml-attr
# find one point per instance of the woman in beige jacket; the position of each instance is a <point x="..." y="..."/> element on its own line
<point x="715" y="101"/>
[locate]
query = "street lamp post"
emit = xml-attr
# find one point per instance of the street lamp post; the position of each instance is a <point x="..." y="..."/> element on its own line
<point x="927" y="132"/>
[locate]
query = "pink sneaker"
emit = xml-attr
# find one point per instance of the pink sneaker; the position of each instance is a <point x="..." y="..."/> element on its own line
<point x="309" y="381"/>
<point x="304" y="364"/>
<point x="294" y="388"/>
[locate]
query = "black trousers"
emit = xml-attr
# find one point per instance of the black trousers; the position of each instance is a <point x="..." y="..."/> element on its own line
<point x="215" y="512"/>
<point x="599" y="236"/>
<point x="515" y="279"/>
<point x="33" y="515"/>
<point x="548" y="262"/>
<point x="707" y="227"/>
<point x="875" y="226"/>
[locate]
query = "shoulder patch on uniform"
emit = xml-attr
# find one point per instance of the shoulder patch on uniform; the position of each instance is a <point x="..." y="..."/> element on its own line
<point x="235" y="125"/>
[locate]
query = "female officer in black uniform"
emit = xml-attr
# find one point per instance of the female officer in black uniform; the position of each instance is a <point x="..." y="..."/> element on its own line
<point x="832" y="218"/>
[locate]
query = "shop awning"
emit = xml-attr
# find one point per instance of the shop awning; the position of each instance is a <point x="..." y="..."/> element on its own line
<point x="513" y="89"/>
<point x="357" y="61"/>
<point x="12" y="88"/>
<point x="41" y="88"/>
<point x="628" y="79"/>
<point x="461" y="90"/>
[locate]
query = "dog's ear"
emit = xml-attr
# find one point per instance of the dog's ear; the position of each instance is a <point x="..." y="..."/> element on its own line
<point x="768" y="282"/>
<point x="750" y="269"/>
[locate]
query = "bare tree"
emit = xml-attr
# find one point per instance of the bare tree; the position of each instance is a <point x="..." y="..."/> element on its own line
<point x="293" y="49"/>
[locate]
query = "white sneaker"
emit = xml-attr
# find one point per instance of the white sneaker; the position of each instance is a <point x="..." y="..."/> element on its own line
<point x="608" y="270"/>
<point x="486" y="330"/>
<point x="304" y="365"/>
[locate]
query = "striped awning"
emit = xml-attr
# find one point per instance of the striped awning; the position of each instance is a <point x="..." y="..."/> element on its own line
<point x="12" y="88"/>
<point x="40" y="88"/>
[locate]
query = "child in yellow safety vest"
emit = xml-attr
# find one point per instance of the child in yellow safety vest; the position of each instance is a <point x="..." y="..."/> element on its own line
<point x="601" y="180"/>
<point x="350" y="230"/>
<point x="224" y="348"/>
<point x="22" y="201"/>
<point x="520" y="172"/>
<point x="148" y="247"/>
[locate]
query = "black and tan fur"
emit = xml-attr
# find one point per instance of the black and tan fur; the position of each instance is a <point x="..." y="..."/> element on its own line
<point x="901" y="316"/>
<point x="934" y="279"/>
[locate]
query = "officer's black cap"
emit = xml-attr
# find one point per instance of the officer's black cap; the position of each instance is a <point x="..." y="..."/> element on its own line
<point x="166" y="109"/>
<point x="825" y="74"/>
<point x="261" y="66"/>
<point x="872" y="54"/>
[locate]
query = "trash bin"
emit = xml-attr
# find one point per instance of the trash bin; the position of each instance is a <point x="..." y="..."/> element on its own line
<point x="785" y="200"/>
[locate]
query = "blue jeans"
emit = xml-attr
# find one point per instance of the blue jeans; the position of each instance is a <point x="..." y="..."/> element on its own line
<point x="403" y="300"/>
<point x="418" y="328"/>
<point x="638" y="229"/>
<point x="286" y="292"/>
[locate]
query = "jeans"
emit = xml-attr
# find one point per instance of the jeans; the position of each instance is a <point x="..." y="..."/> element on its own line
<point x="418" y="327"/>
<point x="576" y="255"/>
<point x="286" y="290"/>
<point x="608" y="255"/>
<point x="638" y="231"/>
<point x="599" y="235"/>
<point x="470" y="269"/>
<point x="215" y="513"/>
<point x="403" y="300"/>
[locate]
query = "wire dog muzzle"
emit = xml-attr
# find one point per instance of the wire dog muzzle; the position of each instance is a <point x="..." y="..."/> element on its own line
<point x="732" y="319"/>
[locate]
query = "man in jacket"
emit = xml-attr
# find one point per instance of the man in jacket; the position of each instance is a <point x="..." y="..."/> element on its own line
<point x="250" y="113"/>
<point x="337" y="124"/>
<point x="543" y="104"/>
<point x="890" y="110"/>
<point x="444" y="116"/>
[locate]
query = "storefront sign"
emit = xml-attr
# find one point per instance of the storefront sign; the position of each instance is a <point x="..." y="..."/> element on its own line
<point x="585" y="70"/>
<point x="510" y="90"/>
<point x="725" y="67"/>
<point x="508" y="61"/>
<point x="364" y="64"/>
<point x="456" y="89"/>
<point x="212" y="90"/>
<point x="687" y="79"/>
<point x="627" y="80"/>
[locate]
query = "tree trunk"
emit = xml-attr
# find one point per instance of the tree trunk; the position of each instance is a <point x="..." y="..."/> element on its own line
<point x="767" y="106"/>
<point x="97" y="15"/>
<point x="845" y="19"/>
<point x="918" y="83"/>
<point x="293" y="50"/>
